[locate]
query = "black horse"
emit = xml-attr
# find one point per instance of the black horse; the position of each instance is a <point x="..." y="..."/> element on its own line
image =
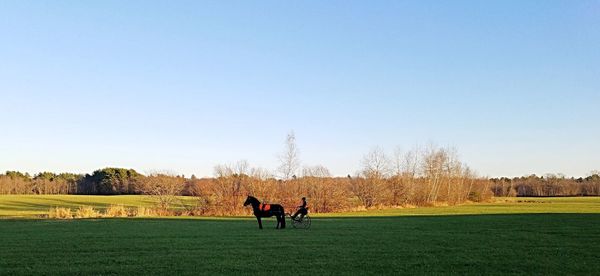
<point x="265" y="211"/>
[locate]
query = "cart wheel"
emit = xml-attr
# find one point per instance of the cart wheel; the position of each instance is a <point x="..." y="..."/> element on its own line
<point x="303" y="224"/>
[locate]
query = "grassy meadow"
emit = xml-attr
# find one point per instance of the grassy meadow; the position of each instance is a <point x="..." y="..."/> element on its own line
<point x="35" y="206"/>
<point x="508" y="236"/>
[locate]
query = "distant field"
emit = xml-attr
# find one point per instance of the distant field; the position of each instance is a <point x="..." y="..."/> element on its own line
<point x="555" y="236"/>
<point x="30" y="206"/>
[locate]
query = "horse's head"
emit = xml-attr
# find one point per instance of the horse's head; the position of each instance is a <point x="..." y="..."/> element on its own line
<point x="249" y="200"/>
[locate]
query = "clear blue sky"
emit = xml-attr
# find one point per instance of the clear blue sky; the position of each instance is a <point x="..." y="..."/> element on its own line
<point x="185" y="85"/>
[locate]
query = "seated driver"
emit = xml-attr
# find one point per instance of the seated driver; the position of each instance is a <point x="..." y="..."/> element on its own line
<point x="302" y="211"/>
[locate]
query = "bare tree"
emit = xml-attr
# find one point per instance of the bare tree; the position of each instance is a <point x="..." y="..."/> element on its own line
<point x="261" y="173"/>
<point x="316" y="171"/>
<point x="240" y="168"/>
<point x="230" y="186"/>
<point x="325" y="193"/>
<point x="409" y="173"/>
<point x="434" y="160"/>
<point x="261" y="184"/>
<point x="164" y="188"/>
<point x="369" y="186"/>
<point x="399" y="184"/>
<point x="376" y="163"/>
<point x="289" y="159"/>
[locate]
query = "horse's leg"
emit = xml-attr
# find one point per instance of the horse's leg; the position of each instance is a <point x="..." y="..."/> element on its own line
<point x="281" y="222"/>
<point x="278" y="221"/>
<point x="282" y="218"/>
<point x="259" y="222"/>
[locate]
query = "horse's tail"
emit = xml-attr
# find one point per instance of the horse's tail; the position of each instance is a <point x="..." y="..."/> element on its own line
<point x="282" y="217"/>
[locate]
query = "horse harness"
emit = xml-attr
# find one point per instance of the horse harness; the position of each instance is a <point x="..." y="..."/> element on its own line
<point x="264" y="207"/>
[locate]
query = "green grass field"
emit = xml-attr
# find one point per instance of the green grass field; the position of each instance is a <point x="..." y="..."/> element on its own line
<point x="535" y="236"/>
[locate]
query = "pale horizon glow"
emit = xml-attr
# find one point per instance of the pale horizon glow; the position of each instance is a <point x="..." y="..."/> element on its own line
<point x="182" y="86"/>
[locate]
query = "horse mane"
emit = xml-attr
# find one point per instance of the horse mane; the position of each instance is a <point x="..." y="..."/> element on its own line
<point x="254" y="199"/>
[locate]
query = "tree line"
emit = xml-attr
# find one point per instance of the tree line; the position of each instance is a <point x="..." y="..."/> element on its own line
<point x="419" y="177"/>
<point x="414" y="178"/>
<point x="548" y="185"/>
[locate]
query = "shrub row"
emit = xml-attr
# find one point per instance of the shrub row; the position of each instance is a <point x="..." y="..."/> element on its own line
<point x="113" y="211"/>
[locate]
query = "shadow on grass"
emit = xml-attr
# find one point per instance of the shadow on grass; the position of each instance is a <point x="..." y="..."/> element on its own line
<point x="316" y="220"/>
